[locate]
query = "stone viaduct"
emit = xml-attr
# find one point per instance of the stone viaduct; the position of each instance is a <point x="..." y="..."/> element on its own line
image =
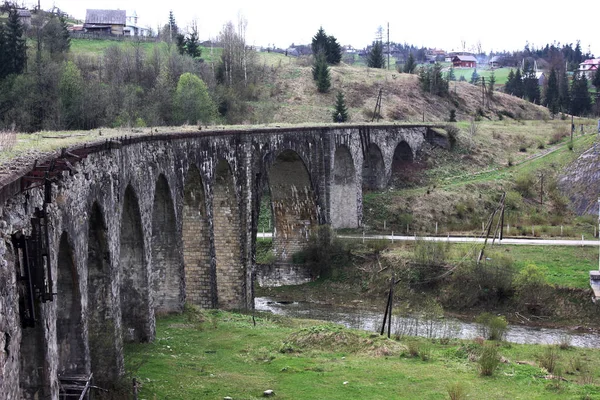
<point x="100" y="238"/>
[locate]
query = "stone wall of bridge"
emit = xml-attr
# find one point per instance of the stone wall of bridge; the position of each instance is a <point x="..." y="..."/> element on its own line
<point x="142" y="226"/>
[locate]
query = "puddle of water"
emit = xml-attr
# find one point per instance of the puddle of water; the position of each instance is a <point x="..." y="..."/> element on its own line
<point x="448" y="327"/>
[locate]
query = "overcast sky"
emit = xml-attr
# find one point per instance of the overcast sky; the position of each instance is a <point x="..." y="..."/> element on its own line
<point x="502" y="25"/>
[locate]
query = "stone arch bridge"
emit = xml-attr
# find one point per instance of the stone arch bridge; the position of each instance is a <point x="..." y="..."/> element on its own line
<point x="102" y="237"/>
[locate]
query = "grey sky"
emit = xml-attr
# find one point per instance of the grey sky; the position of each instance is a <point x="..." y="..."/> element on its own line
<point x="505" y="25"/>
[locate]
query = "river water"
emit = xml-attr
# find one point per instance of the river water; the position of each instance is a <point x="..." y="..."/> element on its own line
<point x="368" y="320"/>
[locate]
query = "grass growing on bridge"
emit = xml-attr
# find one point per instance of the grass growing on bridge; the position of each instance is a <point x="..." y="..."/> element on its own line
<point x="225" y="355"/>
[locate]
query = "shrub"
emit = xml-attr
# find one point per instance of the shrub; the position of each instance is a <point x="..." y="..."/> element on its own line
<point x="549" y="358"/>
<point x="531" y="287"/>
<point x="488" y="360"/>
<point x="452" y="117"/>
<point x="413" y="348"/>
<point x="453" y="133"/>
<point x="456" y="391"/>
<point x="492" y="327"/>
<point x="524" y="183"/>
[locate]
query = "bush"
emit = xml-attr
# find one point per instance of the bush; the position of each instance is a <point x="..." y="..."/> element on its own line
<point x="323" y="253"/>
<point x="492" y="327"/>
<point x="532" y="288"/>
<point x="488" y="360"/>
<point x="456" y="391"/>
<point x="549" y="358"/>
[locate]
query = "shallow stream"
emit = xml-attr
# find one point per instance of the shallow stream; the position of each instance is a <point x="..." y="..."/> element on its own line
<point x="369" y="320"/>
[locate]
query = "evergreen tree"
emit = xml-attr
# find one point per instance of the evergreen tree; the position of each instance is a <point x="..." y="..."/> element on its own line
<point x="517" y="89"/>
<point x="328" y="45"/>
<point x="15" y="45"/>
<point x="580" y="96"/>
<point x="55" y="37"/>
<point x="173" y="29"/>
<point x="510" y="82"/>
<point x="340" y="114"/>
<point x="334" y="51"/>
<point x="180" y="42"/>
<point x="432" y="80"/>
<point x="564" y="95"/>
<point x="474" y="78"/>
<point x="192" y="44"/>
<point x="375" y="59"/>
<point x="319" y="42"/>
<point x="3" y="58"/>
<point x="320" y="72"/>
<point x="451" y="76"/>
<point x="490" y="84"/>
<point x="596" y="81"/>
<point x="531" y="88"/>
<point x="410" y="65"/>
<point x="551" y="93"/>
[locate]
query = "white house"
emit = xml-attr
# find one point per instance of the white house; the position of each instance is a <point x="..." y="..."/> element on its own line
<point x="590" y="67"/>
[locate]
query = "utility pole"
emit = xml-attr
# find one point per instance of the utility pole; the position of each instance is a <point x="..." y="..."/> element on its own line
<point x="388" y="44"/>
<point x="541" y="188"/>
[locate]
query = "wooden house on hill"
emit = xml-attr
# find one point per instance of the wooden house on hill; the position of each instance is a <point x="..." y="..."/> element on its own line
<point x="590" y="67"/>
<point x="108" y="22"/>
<point x="462" y="61"/>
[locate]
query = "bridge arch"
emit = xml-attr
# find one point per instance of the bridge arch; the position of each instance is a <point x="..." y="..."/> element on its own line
<point x="374" y="176"/>
<point x="69" y="327"/>
<point x="134" y="283"/>
<point x="166" y="263"/>
<point x="344" y="201"/>
<point x="401" y="162"/>
<point x="101" y="327"/>
<point x="196" y="242"/>
<point x="293" y="203"/>
<point x="227" y="239"/>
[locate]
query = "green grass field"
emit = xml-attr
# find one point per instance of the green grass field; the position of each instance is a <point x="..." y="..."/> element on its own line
<point x="566" y="266"/>
<point x="227" y="356"/>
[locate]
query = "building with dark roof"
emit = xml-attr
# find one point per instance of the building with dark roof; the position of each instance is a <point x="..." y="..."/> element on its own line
<point x="110" y="22"/>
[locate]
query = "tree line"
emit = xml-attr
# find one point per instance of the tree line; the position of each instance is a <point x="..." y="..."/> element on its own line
<point x="43" y="86"/>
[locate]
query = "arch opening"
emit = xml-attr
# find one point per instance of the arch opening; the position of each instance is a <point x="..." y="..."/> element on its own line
<point x="373" y="174"/>
<point x="101" y="327"/>
<point x="166" y="264"/>
<point x="196" y="243"/>
<point x="229" y="268"/>
<point x="293" y="203"/>
<point x="69" y="329"/>
<point x="134" y="287"/>
<point x="405" y="172"/>
<point x="344" y="208"/>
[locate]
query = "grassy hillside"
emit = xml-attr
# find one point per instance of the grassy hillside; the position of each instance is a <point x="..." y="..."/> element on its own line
<point x="297" y="100"/>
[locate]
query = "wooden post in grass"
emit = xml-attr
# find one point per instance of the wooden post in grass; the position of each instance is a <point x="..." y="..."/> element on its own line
<point x="391" y="305"/>
<point x="385" y="315"/>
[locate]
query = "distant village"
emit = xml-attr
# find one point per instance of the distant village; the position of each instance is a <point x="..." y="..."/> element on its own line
<point x="124" y="24"/>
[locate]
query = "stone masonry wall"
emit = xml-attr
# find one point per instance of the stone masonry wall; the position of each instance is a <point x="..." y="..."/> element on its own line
<point x="105" y="206"/>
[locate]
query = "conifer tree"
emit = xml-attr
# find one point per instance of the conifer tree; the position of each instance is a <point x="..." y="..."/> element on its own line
<point x="410" y="65"/>
<point x="474" y="78"/>
<point x="564" y="95"/>
<point x="596" y="81"/>
<point x="321" y="73"/>
<point x="490" y="84"/>
<point x="510" y="82"/>
<point x="334" y="51"/>
<point x="340" y="114"/>
<point x="580" y="96"/>
<point x="518" y="84"/>
<point x="192" y="44"/>
<point x="3" y="58"/>
<point x="551" y="93"/>
<point x="15" y="45"/>
<point x="375" y="59"/>
<point x="328" y="45"/>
